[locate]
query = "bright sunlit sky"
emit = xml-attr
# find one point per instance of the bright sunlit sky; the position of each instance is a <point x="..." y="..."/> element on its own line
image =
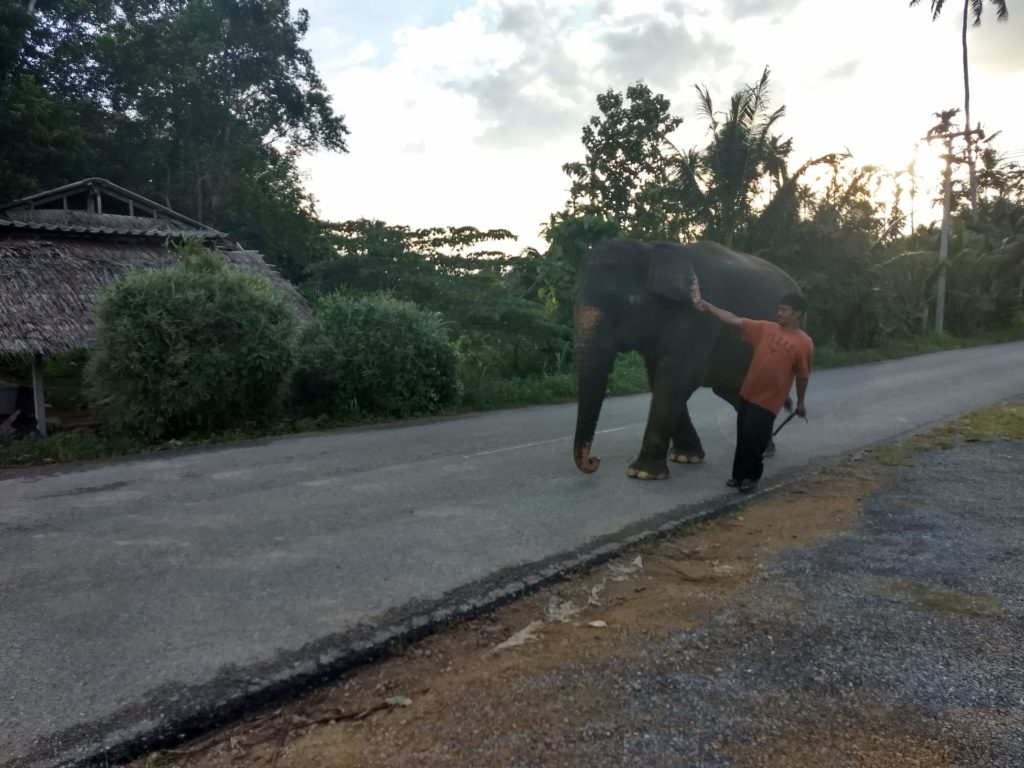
<point x="462" y="112"/>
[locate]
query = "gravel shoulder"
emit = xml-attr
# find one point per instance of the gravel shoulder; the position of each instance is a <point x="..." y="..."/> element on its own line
<point x="868" y="615"/>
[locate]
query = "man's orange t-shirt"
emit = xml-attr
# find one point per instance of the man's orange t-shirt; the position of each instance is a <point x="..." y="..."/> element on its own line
<point x="780" y="355"/>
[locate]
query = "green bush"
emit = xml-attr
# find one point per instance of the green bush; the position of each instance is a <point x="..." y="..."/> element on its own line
<point x="492" y="357"/>
<point x="374" y="355"/>
<point x="197" y="347"/>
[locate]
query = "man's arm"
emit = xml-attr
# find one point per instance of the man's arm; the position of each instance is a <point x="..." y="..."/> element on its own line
<point x="801" y="391"/>
<point x="724" y="315"/>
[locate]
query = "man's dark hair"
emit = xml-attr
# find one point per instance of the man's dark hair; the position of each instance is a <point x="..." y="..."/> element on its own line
<point x="795" y="301"/>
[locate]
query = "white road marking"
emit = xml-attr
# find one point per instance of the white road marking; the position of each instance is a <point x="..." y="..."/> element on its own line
<point x="542" y="442"/>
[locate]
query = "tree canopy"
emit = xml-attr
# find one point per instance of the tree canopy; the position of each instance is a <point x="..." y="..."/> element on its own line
<point x="845" y="238"/>
<point x="203" y="105"/>
<point x="625" y="172"/>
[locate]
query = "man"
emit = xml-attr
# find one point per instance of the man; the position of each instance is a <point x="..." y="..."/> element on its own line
<point x="782" y="352"/>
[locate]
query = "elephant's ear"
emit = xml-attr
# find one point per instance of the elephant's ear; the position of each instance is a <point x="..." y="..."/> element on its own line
<point x="671" y="275"/>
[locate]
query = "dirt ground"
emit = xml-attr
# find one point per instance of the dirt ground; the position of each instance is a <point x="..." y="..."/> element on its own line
<point x="440" y="701"/>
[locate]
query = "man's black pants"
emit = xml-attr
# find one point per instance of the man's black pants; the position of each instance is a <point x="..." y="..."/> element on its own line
<point x="753" y="433"/>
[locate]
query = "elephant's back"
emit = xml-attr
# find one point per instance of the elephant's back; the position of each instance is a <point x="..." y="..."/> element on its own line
<point x="740" y="282"/>
<point x="737" y="264"/>
<point x="620" y="254"/>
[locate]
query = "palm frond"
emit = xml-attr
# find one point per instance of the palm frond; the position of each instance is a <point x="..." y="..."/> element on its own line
<point x="704" y="106"/>
<point x="1002" y="12"/>
<point x="936" y="7"/>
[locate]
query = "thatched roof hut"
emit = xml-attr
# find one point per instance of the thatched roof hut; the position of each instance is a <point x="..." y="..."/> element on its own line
<point x="59" y="249"/>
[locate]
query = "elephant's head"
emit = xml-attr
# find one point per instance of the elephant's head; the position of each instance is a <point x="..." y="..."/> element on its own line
<point x="621" y="285"/>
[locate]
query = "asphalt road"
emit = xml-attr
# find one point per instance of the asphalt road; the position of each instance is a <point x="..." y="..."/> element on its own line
<point x="143" y="597"/>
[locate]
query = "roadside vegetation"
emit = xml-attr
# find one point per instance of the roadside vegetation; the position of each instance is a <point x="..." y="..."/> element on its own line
<point x="1002" y="421"/>
<point x="418" y="322"/>
<point x="198" y="347"/>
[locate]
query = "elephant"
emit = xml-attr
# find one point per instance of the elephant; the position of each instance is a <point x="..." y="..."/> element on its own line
<point x="636" y="295"/>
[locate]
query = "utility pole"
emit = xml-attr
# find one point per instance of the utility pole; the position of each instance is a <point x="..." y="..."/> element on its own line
<point x="947" y="204"/>
<point x="944" y="132"/>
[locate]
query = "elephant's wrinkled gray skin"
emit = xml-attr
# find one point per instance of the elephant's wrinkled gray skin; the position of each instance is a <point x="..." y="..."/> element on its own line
<point x="636" y="296"/>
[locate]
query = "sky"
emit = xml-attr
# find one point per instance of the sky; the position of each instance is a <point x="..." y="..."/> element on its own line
<point x="462" y="112"/>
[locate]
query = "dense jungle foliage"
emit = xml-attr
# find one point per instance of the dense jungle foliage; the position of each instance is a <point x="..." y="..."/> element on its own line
<point x="206" y="106"/>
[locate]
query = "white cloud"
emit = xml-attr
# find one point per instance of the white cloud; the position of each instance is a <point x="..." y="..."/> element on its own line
<point x="362" y="53"/>
<point x="660" y="51"/>
<point x="772" y="9"/>
<point x="468" y="117"/>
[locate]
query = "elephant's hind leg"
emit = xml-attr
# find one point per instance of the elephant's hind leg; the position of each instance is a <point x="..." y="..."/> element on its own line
<point x="686" y="445"/>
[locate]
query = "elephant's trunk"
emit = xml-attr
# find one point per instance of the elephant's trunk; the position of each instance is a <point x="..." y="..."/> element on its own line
<point x="594" y="359"/>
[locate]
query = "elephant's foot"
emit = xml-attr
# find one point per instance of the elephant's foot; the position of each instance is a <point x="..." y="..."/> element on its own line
<point x="641" y="470"/>
<point x="686" y="452"/>
<point x="587" y="464"/>
<point x="769" y="450"/>
<point x="686" y="457"/>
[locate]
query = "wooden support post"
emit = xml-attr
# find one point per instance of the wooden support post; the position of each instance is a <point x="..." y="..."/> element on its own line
<point x="39" y="399"/>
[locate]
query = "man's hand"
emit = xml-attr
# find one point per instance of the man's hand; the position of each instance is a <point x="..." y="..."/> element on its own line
<point x="724" y="315"/>
<point x="801" y="391"/>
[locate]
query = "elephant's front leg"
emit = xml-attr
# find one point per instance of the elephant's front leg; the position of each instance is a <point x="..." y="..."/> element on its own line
<point x="673" y="385"/>
<point x="686" y="445"/>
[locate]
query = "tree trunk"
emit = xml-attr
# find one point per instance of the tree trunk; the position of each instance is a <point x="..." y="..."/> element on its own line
<point x="947" y="203"/>
<point x="967" y="117"/>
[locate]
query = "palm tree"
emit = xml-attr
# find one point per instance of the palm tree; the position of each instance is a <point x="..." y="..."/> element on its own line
<point x="744" y="160"/>
<point x="972" y="8"/>
<point x="721" y="181"/>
